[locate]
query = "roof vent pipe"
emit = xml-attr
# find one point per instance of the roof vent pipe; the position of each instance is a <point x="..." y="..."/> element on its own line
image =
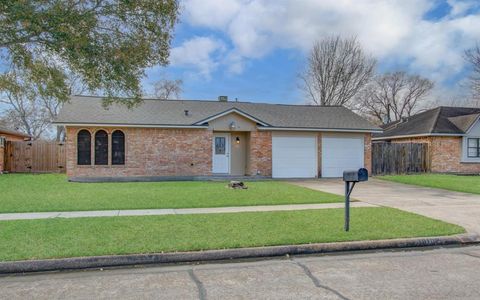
<point x="186" y="112"/>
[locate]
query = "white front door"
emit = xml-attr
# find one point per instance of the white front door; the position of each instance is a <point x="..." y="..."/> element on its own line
<point x="221" y="153"/>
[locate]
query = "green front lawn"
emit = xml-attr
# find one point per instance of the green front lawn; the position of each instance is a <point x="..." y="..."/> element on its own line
<point x="55" y="238"/>
<point x="466" y="184"/>
<point x="52" y="192"/>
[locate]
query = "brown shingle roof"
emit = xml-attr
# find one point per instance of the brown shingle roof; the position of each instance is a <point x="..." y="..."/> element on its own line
<point x="89" y="110"/>
<point x="464" y="122"/>
<point x="441" y="120"/>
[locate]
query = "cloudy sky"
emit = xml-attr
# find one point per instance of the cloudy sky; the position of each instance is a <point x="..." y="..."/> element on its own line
<point x="253" y="49"/>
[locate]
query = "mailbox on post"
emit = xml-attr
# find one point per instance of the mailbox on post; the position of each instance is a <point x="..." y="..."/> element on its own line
<point x="355" y="175"/>
<point x="352" y="177"/>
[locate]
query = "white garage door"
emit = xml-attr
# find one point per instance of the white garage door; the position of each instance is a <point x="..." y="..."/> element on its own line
<point x="294" y="156"/>
<point x="339" y="153"/>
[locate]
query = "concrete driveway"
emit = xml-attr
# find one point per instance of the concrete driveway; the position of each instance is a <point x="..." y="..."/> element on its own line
<point x="458" y="208"/>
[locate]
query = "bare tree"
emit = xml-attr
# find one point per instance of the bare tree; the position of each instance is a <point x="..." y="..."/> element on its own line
<point x="337" y="70"/>
<point x="392" y="96"/>
<point x="51" y="105"/>
<point x="31" y="106"/>
<point x="25" y="113"/>
<point x="168" y="89"/>
<point x="473" y="57"/>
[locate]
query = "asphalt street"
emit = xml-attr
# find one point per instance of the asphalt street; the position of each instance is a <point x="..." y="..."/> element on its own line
<point x="444" y="273"/>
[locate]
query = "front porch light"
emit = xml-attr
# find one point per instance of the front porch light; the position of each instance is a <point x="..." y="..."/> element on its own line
<point x="237" y="140"/>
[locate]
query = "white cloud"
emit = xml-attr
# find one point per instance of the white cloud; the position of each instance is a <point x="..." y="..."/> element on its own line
<point x="255" y="27"/>
<point x="460" y="7"/>
<point x="200" y="53"/>
<point x="395" y="30"/>
<point x="198" y="12"/>
<point x="436" y="49"/>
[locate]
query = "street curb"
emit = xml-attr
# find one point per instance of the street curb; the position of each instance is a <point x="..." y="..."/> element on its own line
<point x="27" y="266"/>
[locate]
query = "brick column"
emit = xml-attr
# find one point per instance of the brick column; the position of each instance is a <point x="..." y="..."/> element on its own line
<point x="260" y="153"/>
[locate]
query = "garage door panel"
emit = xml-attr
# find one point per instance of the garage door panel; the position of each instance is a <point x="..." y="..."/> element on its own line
<point x="294" y="156"/>
<point x="341" y="153"/>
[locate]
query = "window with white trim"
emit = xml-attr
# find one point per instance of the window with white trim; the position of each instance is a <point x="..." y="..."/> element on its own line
<point x="473" y="147"/>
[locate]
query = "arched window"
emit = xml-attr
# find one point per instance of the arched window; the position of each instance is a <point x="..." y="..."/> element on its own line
<point x="118" y="148"/>
<point x="101" y="148"/>
<point x="84" y="150"/>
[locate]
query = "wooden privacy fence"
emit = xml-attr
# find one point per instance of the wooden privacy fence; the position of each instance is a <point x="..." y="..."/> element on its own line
<point x="35" y="157"/>
<point x="400" y="158"/>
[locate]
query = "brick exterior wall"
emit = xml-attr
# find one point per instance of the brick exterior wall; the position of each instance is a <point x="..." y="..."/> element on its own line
<point x="445" y="154"/>
<point x="149" y="152"/>
<point x="260" y="152"/>
<point x="177" y="152"/>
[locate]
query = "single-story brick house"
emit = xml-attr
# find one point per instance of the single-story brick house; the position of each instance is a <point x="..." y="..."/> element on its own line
<point x="7" y="134"/>
<point x="452" y="133"/>
<point x="205" y="138"/>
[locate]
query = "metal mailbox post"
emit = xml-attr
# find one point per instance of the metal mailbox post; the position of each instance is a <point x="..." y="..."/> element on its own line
<point x="352" y="176"/>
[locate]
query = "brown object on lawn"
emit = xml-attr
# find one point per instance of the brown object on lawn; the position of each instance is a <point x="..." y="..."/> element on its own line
<point x="237" y="185"/>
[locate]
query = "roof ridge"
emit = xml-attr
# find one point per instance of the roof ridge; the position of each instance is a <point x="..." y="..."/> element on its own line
<point x="216" y="101"/>
<point x="434" y="124"/>
<point x="88" y="109"/>
<point x="409" y="118"/>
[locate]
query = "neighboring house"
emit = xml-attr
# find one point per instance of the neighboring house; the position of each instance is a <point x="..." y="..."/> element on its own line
<point x="204" y="138"/>
<point x="7" y="134"/>
<point x="452" y="133"/>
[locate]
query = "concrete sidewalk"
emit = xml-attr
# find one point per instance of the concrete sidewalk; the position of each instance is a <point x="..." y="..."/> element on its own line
<point x="179" y="211"/>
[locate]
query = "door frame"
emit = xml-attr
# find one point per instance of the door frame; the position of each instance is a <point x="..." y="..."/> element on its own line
<point x="228" y="150"/>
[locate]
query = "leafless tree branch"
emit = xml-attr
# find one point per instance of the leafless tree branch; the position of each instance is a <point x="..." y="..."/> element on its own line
<point x="168" y="89"/>
<point x="473" y="57"/>
<point x="392" y="96"/>
<point x="337" y="70"/>
<point x="33" y="109"/>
